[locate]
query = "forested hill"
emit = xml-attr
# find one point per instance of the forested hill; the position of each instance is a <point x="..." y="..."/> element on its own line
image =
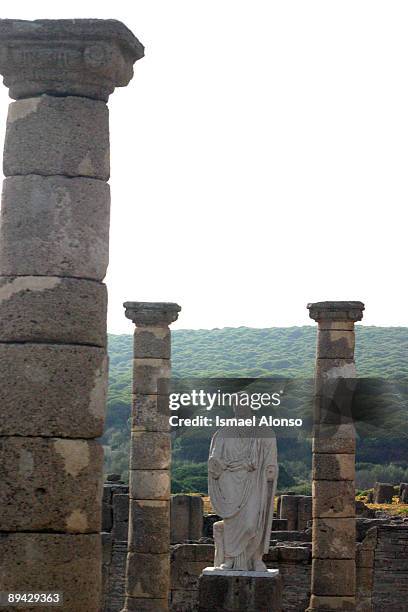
<point x="381" y="352"/>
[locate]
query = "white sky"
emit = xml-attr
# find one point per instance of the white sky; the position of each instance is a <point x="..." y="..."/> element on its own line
<point x="259" y="157"/>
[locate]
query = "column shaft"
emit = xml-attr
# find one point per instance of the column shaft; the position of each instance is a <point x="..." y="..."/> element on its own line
<point x="148" y="561"/>
<point x="53" y="258"/>
<point x="333" y="566"/>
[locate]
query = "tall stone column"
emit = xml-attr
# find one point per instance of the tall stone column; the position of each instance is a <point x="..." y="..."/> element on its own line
<point x="53" y="258"/>
<point x="334" y="541"/>
<point x="148" y="561"/>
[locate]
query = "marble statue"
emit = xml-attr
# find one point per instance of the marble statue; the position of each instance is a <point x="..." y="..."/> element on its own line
<point x="242" y="477"/>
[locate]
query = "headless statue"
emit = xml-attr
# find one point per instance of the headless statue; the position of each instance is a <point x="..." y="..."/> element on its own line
<point x="242" y="477"/>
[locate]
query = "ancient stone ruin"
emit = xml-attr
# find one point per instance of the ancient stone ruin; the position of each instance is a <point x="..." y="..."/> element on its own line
<point x="53" y="258"/>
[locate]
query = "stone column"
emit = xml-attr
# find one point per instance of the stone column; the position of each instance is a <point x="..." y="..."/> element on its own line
<point x="53" y="258"/>
<point x="333" y="566"/>
<point x="148" y="562"/>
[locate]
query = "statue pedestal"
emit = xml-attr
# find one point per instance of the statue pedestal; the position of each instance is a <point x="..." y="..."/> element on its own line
<point x="239" y="591"/>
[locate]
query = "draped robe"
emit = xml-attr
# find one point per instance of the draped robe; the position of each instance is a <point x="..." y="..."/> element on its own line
<point x="244" y="499"/>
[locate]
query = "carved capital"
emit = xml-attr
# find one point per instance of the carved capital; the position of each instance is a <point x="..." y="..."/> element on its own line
<point x="159" y="314"/>
<point x="81" y="57"/>
<point x="336" y="311"/>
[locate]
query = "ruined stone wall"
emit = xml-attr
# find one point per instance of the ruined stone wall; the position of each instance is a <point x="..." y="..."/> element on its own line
<point x="115" y="523"/>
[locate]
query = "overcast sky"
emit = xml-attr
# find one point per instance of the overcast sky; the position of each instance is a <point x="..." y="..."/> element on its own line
<point x="259" y="157"/>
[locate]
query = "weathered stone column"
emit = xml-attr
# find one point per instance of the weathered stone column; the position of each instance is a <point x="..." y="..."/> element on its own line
<point x="333" y="569"/>
<point x="148" y="562"/>
<point x="53" y="258"/>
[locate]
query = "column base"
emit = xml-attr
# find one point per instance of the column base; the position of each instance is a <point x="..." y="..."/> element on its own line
<point x="145" y="605"/>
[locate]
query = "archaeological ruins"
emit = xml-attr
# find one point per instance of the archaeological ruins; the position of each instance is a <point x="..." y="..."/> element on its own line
<point x="133" y="547"/>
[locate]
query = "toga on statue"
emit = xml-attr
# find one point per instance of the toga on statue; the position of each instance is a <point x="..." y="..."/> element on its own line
<point x="242" y="478"/>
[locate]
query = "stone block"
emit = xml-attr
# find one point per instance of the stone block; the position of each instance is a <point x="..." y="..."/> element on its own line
<point x="304" y="512"/>
<point x="329" y="371"/>
<point x="52" y="390"/>
<point x="149" y="484"/>
<point x="54" y="482"/>
<point x="333" y="499"/>
<point x="187" y="513"/>
<point x="225" y="594"/>
<point x="294" y="554"/>
<point x="335" y="344"/>
<point x="403" y="493"/>
<point x="150" y="451"/>
<point x="320" y="603"/>
<point x="383" y="493"/>
<point x="335" y="439"/>
<point x="149" y="530"/>
<point x="52" y="309"/>
<point x="120" y="512"/>
<point x="289" y="510"/>
<point x="51" y="135"/>
<point x="152" y="342"/>
<point x="146" y="605"/>
<point x="279" y="524"/>
<point x="150" y="412"/>
<point x="334" y="538"/>
<point x="151" y="376"/>
<point x="54" y="226"/>
<point x="148" y="575"/>
<point x="334" y="578"/>
<point x="53" y="562"/>
<point x="333" y="466"/>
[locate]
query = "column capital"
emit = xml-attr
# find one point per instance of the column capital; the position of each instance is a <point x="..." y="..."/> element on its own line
<point x="349" y="311"/>
<point x="152" y="314"/>
<point x="80" y="57"/>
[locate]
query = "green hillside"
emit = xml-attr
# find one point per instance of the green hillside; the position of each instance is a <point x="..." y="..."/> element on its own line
<point x="381" y="353"/>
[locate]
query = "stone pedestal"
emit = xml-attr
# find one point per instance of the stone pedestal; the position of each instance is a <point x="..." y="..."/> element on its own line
<point x="53" y="258"/>
<point x="186" y="518"/>
<point x="333" y="565"/>
<point x="234" y="591"/>
<point x="383" y="493"/>
<point x="148" y="561"/>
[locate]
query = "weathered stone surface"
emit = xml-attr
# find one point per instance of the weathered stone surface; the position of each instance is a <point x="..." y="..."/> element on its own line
<point x="333" y="499"/>
<point x="334" y="439"/>
<point x="403" y="493"/>
<point x="54" y="483"/>
<point x="149" y="484"/>
<point x="335" y="344"/>
<point x="383" y="493"/>
<point x="52" y="309"/>
<point x="146" y="605"/>
<point x="150" y="451"/>
<point x="334" y="538"/>
<point x="150" y="412"/>
<point x="151" y="376"/>
<point x="148" y="575"/>
<point x="54" y="226"/>
<point x="334" y="577"/>
<point x="328" y="311"/>
<point x="152" y="314"/>
<point x="53" y="562"/>
<point x="120" y="508"/>
<point x="289" y="510"/>
<point x="149" y="526"/>
<point x="152" y="342"/>
<point x="186" y="518"/>
<point x="333" y="467"/>
<point x="57" y="135"/>
<point x="304" y="512"/>
<point x="221" y="594"/>
<point x="52" y="390"/>
<point x="83" y="57"/>
<point x="332" y="604"/>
